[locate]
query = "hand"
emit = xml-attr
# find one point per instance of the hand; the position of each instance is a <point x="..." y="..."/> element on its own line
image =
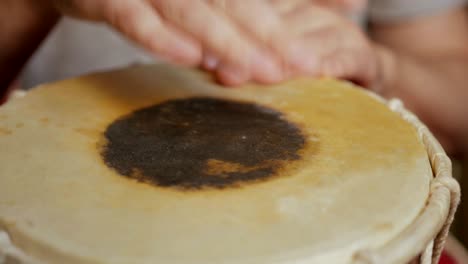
<point x="335" y="46"/>
<point x="344" y="7"/>
<point x="284" y="8"/>
<point x="240" y="41"/>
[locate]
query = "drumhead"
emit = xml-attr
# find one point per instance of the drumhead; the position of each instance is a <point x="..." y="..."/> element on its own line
<point x="158" y="164"/>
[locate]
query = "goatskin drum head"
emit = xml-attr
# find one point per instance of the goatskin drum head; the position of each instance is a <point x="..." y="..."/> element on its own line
<point x="159" y="164"/>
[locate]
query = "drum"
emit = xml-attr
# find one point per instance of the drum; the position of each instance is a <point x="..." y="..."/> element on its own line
<point x="159" y="164"/>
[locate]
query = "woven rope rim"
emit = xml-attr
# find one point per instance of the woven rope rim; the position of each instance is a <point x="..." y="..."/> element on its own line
<point x="428" y="232"/>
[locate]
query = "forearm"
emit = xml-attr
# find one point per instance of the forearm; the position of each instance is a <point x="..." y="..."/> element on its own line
<point x="434" y="87"/>
<point x="24" y="24"/>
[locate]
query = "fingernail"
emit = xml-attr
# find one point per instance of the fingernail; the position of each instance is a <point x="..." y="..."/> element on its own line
<point x="210" y="62"/>
<point x="301" y="57"/>
<point x="265" y="68"/>
<point x="231" y="75"/>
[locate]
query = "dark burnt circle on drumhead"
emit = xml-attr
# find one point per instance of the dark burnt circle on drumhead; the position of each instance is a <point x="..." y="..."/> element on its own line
<point x="200" y="142"/>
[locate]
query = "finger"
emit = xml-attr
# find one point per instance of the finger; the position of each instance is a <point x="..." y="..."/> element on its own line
<point x="301" y="17"/>
<point x="210" y="61"/>
<point x="214" y="31"/>
<point x="319" y="36"/>
<point x="266" y="29"/>
<point x="283" y="7"/>
<point x="320" y="46"/>
<point x="307" y="18"/>
<point x="139" y="21"/>
<point x="340" y="6"/>
<point x="331" y="45"/>
<point x="352" y="65"/>
<point x="286" y="7"/>
<point x="229" y="75"/>
<point x="341" y="54"/>
<point x="257" y="17"/>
